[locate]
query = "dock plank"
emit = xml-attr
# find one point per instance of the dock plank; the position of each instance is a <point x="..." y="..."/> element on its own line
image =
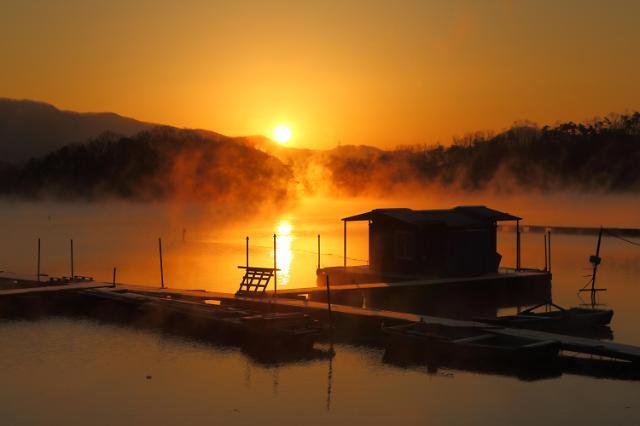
<point x="414" y="283"/>
<point x="579" y="344"/>
<point x="53" y="288"/>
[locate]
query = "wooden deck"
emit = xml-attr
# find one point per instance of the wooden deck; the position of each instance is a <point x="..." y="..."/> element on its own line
<point x="422" y="282"/>
<point x="53" y="288"/>
<point x="341" y="313"/>
<point x="568" y="343"/>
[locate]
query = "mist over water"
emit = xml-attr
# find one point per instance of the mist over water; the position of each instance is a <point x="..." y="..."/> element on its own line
<point x="203" y="243"/>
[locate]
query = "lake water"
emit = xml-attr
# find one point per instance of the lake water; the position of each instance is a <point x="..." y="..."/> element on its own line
<point x="71" y="371"/>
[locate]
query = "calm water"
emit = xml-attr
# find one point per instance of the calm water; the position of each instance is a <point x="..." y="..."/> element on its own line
<point x="67" y="371"/>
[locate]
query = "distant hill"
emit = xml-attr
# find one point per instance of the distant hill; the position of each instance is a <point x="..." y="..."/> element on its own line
<point x="121" y="157"/>
<point x="163" y="163"/>
<point x="31" y="129"/>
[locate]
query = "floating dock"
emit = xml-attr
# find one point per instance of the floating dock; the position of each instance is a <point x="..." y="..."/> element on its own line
<point x="344" y="318"/>
<point x="41" y="290"/>
<point x="351" y="316"/>
<point x="442" y="296"/>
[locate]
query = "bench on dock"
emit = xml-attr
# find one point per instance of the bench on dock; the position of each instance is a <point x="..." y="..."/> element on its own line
<point x="255" y="280"/>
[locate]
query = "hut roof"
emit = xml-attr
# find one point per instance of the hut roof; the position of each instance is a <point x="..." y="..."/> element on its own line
<point x="455" y="217"/>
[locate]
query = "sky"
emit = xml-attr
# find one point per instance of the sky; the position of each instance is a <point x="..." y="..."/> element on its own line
<point x="382" y="73"/>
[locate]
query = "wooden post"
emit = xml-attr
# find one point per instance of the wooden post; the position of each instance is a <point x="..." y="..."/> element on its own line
<point x="517" y="245"/>
<point x="545" y="250"/>
<point x="318" y="251"/>
<point x="345" y="244"/>
<point x="161" y="269"/>
<point x="596" y="261"/>
<point x="329" y="300"/>
<point x="113" y="283"/>
<point x="38" y="269"/>
<point x="72" y="274"/>
<point x="549" y="249"/>
<point x="275" y="267"/>
<point x="246" y="249"/>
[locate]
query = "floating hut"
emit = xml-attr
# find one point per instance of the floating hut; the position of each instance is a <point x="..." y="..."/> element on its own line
<point x="428" y="245"/>
<point x="454" y="242"/>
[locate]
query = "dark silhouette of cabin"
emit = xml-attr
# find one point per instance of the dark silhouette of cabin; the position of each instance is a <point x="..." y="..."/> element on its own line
<point x="454" y="242"/>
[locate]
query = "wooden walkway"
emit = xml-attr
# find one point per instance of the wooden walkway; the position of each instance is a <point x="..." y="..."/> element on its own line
<point x="580" y="344"/>
<point x="422" y="282"/>
<point x="299" y="305"/>
<point x="568" y="343"/>
<point x="342" y="313"/>
<point x="53" y="288"/>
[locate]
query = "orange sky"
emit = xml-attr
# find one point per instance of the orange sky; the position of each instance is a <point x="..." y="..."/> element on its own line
<point x="360" y="72"/>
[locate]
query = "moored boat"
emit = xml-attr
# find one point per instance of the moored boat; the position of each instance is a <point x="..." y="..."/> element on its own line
<point x="559" y="319"/>
<point x="470" y="344"/>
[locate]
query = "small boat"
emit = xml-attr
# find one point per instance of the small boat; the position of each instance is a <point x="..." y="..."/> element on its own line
<point x="470" y="344"/>
<point x="559" y="319"/>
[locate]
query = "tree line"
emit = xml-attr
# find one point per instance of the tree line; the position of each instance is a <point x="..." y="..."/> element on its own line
<point x="602" y="155"/>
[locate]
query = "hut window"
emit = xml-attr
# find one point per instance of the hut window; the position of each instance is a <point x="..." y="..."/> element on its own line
<point x="404" y="245"/>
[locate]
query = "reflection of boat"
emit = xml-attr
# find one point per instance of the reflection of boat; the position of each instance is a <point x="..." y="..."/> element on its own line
<point x="599" y="368"/>
<point x="526" y="372"/>
<point x="470" y="344"/>
<point x="560" y="319"/>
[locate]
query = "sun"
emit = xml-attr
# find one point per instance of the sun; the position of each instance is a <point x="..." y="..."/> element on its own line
<point x="282" y="134"/>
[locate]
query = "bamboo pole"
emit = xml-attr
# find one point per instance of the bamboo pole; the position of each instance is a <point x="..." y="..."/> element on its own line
<point x="549" y="250"/>
<point x="161" y="266"/>
<point x="345" y="244"/>
<point x="517" y="245"/>
<point x="72" y="272"/>
<point x="329" y="300"/>
<point x="246" y="249"/>
<point x="545" y="251"/>
<point x="275" y="267"/>
<point x="318" y="251"/>
<point x="38" y="269"/>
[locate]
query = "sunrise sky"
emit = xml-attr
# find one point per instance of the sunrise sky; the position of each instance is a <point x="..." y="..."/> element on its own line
<point x="359" y="72"/>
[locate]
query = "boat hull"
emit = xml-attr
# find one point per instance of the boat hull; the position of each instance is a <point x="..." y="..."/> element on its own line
<point x="480" y="348"/>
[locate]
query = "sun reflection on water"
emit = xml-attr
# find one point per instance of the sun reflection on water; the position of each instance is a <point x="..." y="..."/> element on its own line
<point x="284" y="253"/>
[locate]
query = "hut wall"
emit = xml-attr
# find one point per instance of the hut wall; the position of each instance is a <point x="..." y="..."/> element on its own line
<point x="471" y="251"/>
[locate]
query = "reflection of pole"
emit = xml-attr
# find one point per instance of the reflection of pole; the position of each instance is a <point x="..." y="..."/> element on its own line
<point x="318" y="251"/>
<point x="275" y="267"/>
<point x="330" y="378"/>
<point x="246" y="249"/>
<point x="161" y="270"/>
<point x="276" y="380"/>
<point x="38" y="272"/>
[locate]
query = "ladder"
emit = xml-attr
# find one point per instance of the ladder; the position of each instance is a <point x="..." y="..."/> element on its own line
<point x="255" y="280"/>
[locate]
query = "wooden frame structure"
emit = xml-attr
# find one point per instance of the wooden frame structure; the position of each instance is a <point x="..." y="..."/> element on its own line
<point x="255" y="280"/>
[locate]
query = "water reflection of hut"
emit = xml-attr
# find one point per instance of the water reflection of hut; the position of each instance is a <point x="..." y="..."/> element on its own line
<point x="454" y="242"/>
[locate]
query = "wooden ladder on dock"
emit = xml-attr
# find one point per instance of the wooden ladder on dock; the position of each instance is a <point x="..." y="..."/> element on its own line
<point x="255" y="280"/>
